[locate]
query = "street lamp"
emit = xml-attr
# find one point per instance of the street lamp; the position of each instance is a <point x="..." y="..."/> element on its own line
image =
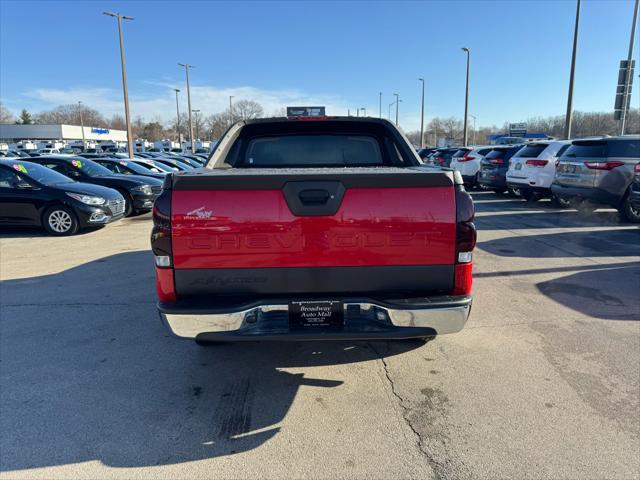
<point x="627" y="80"/>
<point x="196" y="112"/>
<point x="231" y="109"/>
<point x="186" y="69"/>
<point x="124" y="80"/>
<point x="389" y="115"/>
<point x="466" y="98"/>
<point x="397" y="104"/>
<point x="380" y="94"/>
<point x="84" y="144"/>
<point x="178" y="117"/>
<point x="364" y="111"/>
<point x="422" y="116"/>
<point x="569" y="116"/>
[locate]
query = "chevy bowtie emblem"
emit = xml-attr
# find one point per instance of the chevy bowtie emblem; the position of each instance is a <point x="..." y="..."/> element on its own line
<point x="199" y="213"/>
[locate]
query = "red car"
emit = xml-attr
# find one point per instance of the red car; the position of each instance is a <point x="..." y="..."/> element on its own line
<point x="313" y="228"/>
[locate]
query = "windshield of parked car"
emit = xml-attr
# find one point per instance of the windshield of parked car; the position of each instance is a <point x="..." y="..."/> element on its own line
<point x="134" y="167"/>
<point x="89" y="167"/>
<point x="40" y="174"/>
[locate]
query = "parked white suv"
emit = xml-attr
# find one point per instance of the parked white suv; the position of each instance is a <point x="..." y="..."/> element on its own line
<point x="467" y="162"/>
<point x="532" y="169"/>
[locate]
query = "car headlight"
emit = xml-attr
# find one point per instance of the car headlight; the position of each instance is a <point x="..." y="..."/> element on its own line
<point x="144" y="189"/>
<point x="87" y="199"/>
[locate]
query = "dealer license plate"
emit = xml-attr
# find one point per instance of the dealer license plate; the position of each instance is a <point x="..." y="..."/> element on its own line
<point x="328" y="313"/>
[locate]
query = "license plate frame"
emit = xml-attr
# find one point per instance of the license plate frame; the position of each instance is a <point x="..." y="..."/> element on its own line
<point x="316" y="314"/>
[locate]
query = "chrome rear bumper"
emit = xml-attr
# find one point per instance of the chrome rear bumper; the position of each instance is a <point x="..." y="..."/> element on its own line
<point x="363" y="319"/>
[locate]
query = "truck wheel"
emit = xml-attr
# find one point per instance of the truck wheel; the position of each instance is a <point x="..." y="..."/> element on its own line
<point x="60" y="220"/>
<point x="628" y="211"/>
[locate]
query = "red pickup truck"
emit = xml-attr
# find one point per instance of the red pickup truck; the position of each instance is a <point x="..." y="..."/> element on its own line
<point x="313" y="228"/>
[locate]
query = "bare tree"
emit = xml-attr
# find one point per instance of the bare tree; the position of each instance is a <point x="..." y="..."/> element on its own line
<point x="70" y="114"/>
<point x="5" y="115"/>
<point x="215" y="125"/>
<point x="116" y="122"/>
<point x="246" y="109"/>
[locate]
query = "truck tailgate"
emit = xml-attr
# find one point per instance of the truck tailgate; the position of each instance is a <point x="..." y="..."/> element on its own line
<point x="313" y="231"/>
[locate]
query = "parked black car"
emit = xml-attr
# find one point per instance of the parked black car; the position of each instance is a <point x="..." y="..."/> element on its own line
<point x="128" y="167"/>
<point x="425" y="152"/>
<point x="494" y="166"/>
<point x="33" y="195"/>
<point x="139" y="192"/>
<point x="442" y="156"/>
<point x="173" y="163"/>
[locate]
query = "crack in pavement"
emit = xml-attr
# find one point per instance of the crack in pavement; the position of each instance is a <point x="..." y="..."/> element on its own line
<point x="436" y="466"/>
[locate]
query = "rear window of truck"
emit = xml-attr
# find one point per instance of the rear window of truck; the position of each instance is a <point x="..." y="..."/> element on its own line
<point x="313" y="151"/>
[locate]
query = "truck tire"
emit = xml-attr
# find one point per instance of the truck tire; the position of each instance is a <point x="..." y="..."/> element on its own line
<point x="60" y="220"/>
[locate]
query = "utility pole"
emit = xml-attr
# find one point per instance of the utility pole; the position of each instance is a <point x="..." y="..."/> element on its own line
<point x="357" y="112"/>
<point x="186" y="69"/>
<point x="397" y="105"/>
<point x="473" y="142"/>
<point x="422" y="116"/>
<point x="389" y="115"/>
<point x="569" y="116"/>
<point x="196" y="112"/>
<point x="124" y="80"/>
<point x="466" y="98"/>
<point x="628" y="79"/>
<point x="231" y="109"/>
<point x="178" y="117"/>
<point x="84" y="144"/>
<point x="380" y="94"/>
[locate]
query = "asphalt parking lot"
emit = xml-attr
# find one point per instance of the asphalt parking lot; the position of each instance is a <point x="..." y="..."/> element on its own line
<point x="543" y="382"/>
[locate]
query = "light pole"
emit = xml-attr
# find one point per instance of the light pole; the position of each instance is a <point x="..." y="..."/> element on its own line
<point x="186" y="69"/>
<point x="390" y="105"/>
<point x="473" y="142"/>
<point x="397" y="104"/>
<point x="364" y="111"/>
<point x="196" y="112"/>
<point x="124" y="80"/>
<point x="178" y="117"/>
<point x="627" y="82"/>
<point x="466" y="98"/>
<point x="380" y="94"/>
<point x="84" y="144"/>
<point x="569" y="116"/>
<point x="422" y="116"/>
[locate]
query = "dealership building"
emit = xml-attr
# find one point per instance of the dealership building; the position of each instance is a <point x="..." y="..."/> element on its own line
<point x="16" y="133"/>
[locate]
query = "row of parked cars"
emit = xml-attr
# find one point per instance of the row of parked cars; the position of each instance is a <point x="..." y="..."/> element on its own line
<point x="582" y="174"/>
<point x="66" y="193"/>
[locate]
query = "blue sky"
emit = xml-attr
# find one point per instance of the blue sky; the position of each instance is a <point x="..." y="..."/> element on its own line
<point x="338" y="54"/>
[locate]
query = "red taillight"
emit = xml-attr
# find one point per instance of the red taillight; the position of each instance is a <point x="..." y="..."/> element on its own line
<point x="636" y="169"/>
<point x="603" y="165"/>
<point x="465" y="243"/>
<point x="463" y="279"/>
<point x="161" y="230"/>
<point x="496" y="161"/>
<point x="537" y="163"/>
<point x="466" y="158"/>
<point x="165" y="285"/>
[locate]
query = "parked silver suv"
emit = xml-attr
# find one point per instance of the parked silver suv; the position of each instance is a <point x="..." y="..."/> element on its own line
<point x="599" y="172"/>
